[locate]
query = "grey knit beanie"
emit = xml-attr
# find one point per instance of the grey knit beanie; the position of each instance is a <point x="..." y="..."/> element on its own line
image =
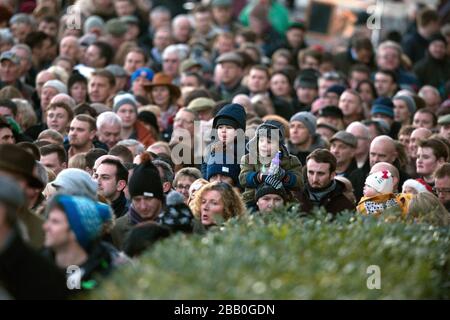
<point x="308" y="120"/>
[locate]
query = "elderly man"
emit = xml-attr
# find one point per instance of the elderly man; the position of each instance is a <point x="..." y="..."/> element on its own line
<point x="382" y="149"/>
<point x="172" y="56"/>
<point x="362" y="134"/>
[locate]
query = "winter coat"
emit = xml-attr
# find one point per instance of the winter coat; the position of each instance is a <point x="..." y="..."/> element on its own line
<point x="433" y="72"/>
<point x="334" y="202"/>
<point x="25" y="274"/>
<point x="31" y="226"/>
<point x="377" y="204"/>
<point x="249" y="173"/>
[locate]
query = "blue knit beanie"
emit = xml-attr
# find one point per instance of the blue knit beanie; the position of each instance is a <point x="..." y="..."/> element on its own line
<point x="86" y="217"/>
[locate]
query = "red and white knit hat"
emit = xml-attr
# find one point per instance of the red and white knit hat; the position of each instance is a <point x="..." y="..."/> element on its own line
<point x="418" y="184"/>
<point x="381" y="181"/>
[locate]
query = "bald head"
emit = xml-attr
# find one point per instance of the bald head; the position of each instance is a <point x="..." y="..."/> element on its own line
<point x="416" y="136"/>
<point x="383" y="149"/>
<point x="380" y="166"/>
<point x="244" y="101"/>
<point x="362" y="134"/>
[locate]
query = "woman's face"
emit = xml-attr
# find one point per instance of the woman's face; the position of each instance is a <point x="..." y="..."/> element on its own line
<point x="279" y="85"/>
<point x="280" y="63"/>
<point x="401" y="111"/>
<point x="161" y="95"/>
<point x="426" y="162"/>
<point x="211" y="205"/>
<point x="366" y="93"/>
<point x="79" y="92"/>
<point x="128" y="115"/>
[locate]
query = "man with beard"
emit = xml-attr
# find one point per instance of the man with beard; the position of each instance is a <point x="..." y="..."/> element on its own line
<point x="321" y="188"/>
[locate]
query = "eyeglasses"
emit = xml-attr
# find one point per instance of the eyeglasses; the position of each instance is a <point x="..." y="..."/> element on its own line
<point x="441" y="190"/>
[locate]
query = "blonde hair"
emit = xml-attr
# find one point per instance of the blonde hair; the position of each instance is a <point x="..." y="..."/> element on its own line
<point x="78" y="161"/>
<point x="426" y="207"/>
<point x="26" y="117"/>
<point x="233" y="205"/>
<point x="194" y="188"/>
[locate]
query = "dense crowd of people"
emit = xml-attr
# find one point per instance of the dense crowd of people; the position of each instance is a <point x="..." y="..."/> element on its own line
<point x="124" y="122"/>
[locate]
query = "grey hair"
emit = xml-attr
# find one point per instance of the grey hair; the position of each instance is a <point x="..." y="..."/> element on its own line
<point x="23" y="47"/>
<point x="168" y="174"/>
<point x="110" y="118"/>
<point x="23" y="18"/>
<point x="180" y="17"/>
<point x="181" y="50"/>
<point x="390" y="44"/>
<point x="131" y="143"/>
<point x="361" y="125"/>
<point x="160" y="10"/>
<point x="6" y="36"/>
<point x="428" y="87"/>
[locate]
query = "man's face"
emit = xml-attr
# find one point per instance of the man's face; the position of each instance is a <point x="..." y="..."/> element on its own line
<point x="106" y="176"/>
<point x="171" y="65"/>
<point x="99" y="89"/>
<point x="437" y="49"/>
<point x="444" y="131"/>
<point x="268" y="202"/>
<point x="343" y="152"/>
<point x="25" y="63"/>
<point x="184" y="120"/>
<point x="133" y="61"/>
<point x="202" y="21"/>
<point x="384" y="85"/>
<point x="298" y="133"/>
<point x="388" y="59"/>
<point x="92" y="57"/>
<point x="9" y="71"/>
<point x="442" y="186"/>
<point x="58" y="119"/>
<point x="381" y="151"/>
<point x="20" y="31"/>
<point x="182" y="31"/>
<point x="57" y="230"/>
<point x="189" y="81"/>
<point x="318" y="173"/>
<point x="258" y="81"/>
<point x="6" y="136"/>
<point x="163" y="38"/>
<point x="306" y="95"/>
<point x="349" y="104"/>
<point x="414" y="139"/>
<point x="295" y="37"/>
<point x="47" y="94"/>
<point x="423" y="120"/>
<point x="80" y="134"/>
<point x="41" y="79"/>
<point x="51" y="161"/>
<point x="49" y="28"/>
<point x="183" y="185"/>
<point x="109" y="134"/>
<point x="382" y="116"/>
<point x="124" y="8"/>
<point x="231" y="73"/>
<point x="222" y="15"/>
<point x="148" y="208"/>
<point x="356" y="77"/>
<point x="69" y="48"/>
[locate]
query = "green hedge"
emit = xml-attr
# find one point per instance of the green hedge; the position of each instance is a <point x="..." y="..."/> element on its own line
<point x="282" y="256"/>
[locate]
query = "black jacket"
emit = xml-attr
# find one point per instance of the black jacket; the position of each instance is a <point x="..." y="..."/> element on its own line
<point x="120" y="206"/>
<point x="25" y="274"/>
<point x="334" y="202"/>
